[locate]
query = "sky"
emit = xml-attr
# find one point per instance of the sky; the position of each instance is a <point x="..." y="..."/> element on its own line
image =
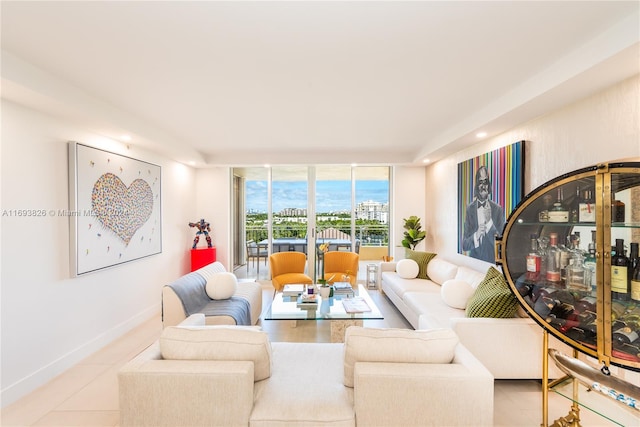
<point x="331" y="196"/>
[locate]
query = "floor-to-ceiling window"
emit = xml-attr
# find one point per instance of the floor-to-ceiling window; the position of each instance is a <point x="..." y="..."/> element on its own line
<point x="288" y="208"/>
<point x="250" y="216"/>
<point x="289" y="205"/>
<point x="371" y="211"/>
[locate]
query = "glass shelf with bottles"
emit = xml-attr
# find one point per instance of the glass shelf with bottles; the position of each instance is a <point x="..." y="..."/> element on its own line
<point x="550" y="246"/>
<point x="559" y="286"/>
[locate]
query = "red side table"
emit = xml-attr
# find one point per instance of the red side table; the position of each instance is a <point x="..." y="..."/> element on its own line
<point x="201" y="257"/>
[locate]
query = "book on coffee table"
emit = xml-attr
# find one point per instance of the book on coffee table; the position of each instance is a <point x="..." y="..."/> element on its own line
<point x="355" y="305"/>
<point x="342" y="288"/>
<point x="292" y="290"/>
<point x="307" y="302"/>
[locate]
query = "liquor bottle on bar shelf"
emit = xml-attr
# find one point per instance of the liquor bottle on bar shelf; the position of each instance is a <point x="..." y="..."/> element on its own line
<point x="574" y="240"/>
<point x="554" y="303"/>
<point x="543" y="247"/>
<point x="634" y="260"/>
<point x="586" y="334"/>
<point x="590" y="264"/>
<point x="553" y="259"/>
<point x="534" y="263"/>
<point x="617" y="210"/>
<point x="574" y="210"/>
<point x="617" y="310"/>
<point x="619" y="274"/>
<point x="547" y="203"/>
<point x="586" y="304"/>
<point x="625" y="332"/>
<point x="577" y="274"/>
<point x="587" y="208"/>
<point x="635" y="284"/>
<point x="559" y="212"/>
<point x="565" y="259"/>
<point x="632" y="348"/>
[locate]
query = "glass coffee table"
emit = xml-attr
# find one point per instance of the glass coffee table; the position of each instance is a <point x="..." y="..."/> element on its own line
<point x="332" y="309"/>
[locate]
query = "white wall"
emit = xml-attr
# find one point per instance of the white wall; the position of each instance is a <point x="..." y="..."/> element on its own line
<point x="408" y="198"/>
<point x="213" y="203"/>
<point x="50" y="321"/>
<point x="600" y="128"/>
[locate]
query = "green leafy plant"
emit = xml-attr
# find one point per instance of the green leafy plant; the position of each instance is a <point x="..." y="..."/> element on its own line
<point x="413" y="234"/>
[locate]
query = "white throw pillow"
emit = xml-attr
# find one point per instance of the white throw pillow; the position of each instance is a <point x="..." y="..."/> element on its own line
<point x="222" y="285"/>
<point x="220" y="342"/>
<point x="455" y="293"/>
<point x="439" y="270"/>
<point x="407" y="268"/>
<point x="396" y="345"/>
<point x="210" y="269"/>
<point x="472" y="277"/>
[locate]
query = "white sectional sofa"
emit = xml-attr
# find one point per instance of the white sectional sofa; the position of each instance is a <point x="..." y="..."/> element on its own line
<point x="510" y="348"/>
<point x="199" y="375"/>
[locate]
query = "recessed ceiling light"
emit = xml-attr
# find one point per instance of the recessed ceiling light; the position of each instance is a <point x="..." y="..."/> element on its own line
<point x="481" y="134"/>
<point x="125" y="138"/>
<point x="426" y="161"/>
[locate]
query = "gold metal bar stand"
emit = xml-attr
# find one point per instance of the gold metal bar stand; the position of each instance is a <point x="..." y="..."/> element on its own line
<point x="575" y="407"/>
<point x="545" y="379"/>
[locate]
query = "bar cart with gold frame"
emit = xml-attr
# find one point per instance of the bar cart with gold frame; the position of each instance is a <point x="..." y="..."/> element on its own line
<point x="556" y="255"/>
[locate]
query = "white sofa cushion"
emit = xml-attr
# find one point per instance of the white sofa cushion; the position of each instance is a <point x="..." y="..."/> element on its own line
<point x="399" y="285"/>
<point x="432" y="306"/>
<point x="239" y="343"/>
<point x="305" y="388"/>
<point x="221" y="285"/>
<point x="455" y="293"/>
<point x="472" y="277"/>
<point x="210" y="269"/>
<point x="440" y="270"/>
<point x="396" y="345"/>
<point x="407" y="268"/>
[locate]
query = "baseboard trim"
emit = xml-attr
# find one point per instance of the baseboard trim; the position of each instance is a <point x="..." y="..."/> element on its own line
<point x="28" y="384"/>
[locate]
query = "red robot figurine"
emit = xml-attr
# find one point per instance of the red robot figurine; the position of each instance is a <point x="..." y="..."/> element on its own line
<point x="203" y="228"/>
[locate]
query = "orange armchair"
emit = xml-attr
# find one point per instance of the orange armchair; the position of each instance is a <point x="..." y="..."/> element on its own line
<point x="288" y="268"/>
<point x="338" y="263"/>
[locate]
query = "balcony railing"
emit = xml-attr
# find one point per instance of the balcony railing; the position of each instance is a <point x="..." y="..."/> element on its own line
<point x="368" y="235"/>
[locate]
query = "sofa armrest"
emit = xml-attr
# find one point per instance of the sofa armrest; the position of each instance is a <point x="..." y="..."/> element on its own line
<point x="156" y="392"/>
<point x="416" y="394"/>
<point x="508" y="348"/>
<point x="172" y="309"/>
<point x="196" y="319"/>
<point x="388" y="266"/>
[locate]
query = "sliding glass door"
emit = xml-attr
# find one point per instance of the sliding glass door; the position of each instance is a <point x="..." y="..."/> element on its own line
<point x="294" y="208"/>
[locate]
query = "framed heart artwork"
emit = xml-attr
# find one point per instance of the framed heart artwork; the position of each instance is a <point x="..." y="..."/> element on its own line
<point x="115" y="209"/>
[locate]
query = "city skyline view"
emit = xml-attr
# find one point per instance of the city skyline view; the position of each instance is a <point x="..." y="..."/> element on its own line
<point x="331" y="196"/>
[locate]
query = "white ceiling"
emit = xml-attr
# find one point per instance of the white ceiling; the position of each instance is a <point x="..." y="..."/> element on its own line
<point x="242" y="83"/>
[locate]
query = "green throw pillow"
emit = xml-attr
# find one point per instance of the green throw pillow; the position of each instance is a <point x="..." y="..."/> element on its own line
<point x="492" y="298"/>
<point x="422" y="258"/>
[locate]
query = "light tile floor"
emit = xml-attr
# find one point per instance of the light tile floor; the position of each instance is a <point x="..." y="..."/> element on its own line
<point x="87" y="394"/>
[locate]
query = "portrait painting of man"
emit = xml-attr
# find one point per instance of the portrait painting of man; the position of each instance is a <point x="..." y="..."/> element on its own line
<point x="489" y="188"/>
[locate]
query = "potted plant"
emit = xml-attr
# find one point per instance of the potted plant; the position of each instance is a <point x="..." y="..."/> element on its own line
<point x="325" y="290"/>
<point x="413" y="232"/>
